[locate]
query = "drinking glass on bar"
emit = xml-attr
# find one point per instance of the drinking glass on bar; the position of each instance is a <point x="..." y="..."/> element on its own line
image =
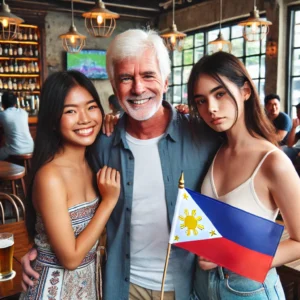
<point x="6" y="254"/>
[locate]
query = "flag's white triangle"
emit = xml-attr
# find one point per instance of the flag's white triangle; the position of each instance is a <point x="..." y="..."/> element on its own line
<point x="190" y="223"/>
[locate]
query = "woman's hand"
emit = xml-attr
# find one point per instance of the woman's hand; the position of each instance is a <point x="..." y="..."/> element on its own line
<point x="27" y="271"/>
<point x="205" y="264"/>
<point x="108" y="181"/>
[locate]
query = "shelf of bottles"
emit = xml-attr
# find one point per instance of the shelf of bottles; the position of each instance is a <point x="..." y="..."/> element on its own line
<point x="20" y="67"/>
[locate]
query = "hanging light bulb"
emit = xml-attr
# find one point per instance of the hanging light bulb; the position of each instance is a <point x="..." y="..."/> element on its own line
<point x="173" y="38"/>
<point x="73" y="41"/>
<point x="255" y="28"/>
<point x="100" y="22"/>
<point x="220" y="44"/>
<point x="9" y="23"/>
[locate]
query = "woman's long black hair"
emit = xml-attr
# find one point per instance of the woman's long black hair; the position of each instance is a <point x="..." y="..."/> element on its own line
<point x="48" y="138"/>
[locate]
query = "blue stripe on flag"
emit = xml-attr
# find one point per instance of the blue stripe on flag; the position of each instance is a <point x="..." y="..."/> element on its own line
<point x="239" y="226"/>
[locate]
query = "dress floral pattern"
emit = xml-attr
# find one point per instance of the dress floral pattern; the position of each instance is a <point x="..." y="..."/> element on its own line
<point x="55" y="282"/>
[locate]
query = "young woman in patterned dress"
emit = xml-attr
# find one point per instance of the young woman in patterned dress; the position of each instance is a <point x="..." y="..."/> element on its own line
<point x="65" y="215"/>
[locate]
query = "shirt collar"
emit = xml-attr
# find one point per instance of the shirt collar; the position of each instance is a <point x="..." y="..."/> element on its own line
<point x="171" y="131"/>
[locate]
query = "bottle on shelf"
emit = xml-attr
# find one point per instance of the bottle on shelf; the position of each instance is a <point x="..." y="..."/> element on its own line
<point x="36" y="67"/>
<point x="10" y="84"/>
<point x="15" y="85"/>
<point x="36" y="51"/>
<point x="5" y="85"/>
<point x="1" y="68"/>
<point x="5" y="50"/>
<point x="20" y="68"/>
<point x="18" y="101"/>
<point x="25" y="85"/>
<point x="20" y="35"/>
<point x="24" y="67"/>
<point x="6" y="68"/>
<point x="37" y="84"/>
<point x="20" y="86"/>
<point x="35" y="35"/>
<point x="25" y="36"/>
<point x="30" y="36"/>
<point x="1" y="50"/>
<point x="16" y="67"/>
<point x="20" y="50"/>
<point x="15" y="51"/>
<point x="30" y="52"/>
<point x="11" y="66"/>
<point x="1" y="84"/>
<point x="37" y="102"/>
<point x="10" y="50"/>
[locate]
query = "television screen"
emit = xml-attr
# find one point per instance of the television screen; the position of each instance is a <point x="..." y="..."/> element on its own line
<point x="91" y="63"/>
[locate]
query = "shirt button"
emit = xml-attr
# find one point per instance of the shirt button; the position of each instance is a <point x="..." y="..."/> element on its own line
<point x="128" y="209"/>
<point x="128" y="183"/>
<point x="126" y="279"/>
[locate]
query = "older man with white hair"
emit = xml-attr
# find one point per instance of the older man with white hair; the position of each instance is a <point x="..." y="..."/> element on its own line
<point x="151" y="145"/>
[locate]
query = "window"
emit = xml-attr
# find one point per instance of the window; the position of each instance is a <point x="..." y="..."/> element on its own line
<point x="251" y="54"/>
<point x="294" y="59"/>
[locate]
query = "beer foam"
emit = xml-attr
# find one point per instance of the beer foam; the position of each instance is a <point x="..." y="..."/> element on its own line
<point x="6" y="243"/>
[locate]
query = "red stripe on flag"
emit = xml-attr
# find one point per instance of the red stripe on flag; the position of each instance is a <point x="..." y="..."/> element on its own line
<point x="236" y="258"/>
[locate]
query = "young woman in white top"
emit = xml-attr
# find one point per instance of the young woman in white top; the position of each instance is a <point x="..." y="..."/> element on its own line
<point x="248" y="171"/>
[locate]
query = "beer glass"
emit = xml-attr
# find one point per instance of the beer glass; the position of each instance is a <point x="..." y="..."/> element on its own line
<point x="6" y="254"/>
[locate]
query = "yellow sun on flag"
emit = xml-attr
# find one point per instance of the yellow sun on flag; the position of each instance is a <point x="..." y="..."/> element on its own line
<point x="191" y="222"/>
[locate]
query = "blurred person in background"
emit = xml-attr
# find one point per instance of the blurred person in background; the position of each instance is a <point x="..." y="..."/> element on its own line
<point x="280" y="120"/>
<point x="115" y="106"/>
<point x="14" y="122"/>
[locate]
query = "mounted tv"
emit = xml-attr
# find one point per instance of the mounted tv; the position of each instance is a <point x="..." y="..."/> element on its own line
<point x="92" y="63"/>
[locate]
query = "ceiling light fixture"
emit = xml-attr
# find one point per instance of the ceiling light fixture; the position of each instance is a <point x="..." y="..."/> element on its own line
<point x="73" y="41"/>
<point x="100" y="22"/>
<point x="255" y="28"/>
<point x="173" y="38"/>
<point x="9" y="23"/>
<point x="220" y="44"/>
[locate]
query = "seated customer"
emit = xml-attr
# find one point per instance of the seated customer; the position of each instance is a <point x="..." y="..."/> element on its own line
<point x="14" y="122"/>
<point x="293" y="148"/>
<point x="280" y="120"/>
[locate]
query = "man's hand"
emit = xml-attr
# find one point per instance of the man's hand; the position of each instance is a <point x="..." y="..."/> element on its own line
<point x="28" y="272"/>
<point x="296" y="123"/>
<point x="109" y="124"/>
<point x="205" y="264"/>
<point x="182" y="108"/>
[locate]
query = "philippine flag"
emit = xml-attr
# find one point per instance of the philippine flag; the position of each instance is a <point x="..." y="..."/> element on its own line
<point x="228" y="236"/>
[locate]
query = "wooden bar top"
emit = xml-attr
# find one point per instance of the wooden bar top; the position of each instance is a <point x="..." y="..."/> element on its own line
<point x="32" y="119"/>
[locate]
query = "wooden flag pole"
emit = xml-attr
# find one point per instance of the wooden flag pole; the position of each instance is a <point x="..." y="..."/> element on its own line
<point x="165" y="273"/>
<point x="181" y="186"/>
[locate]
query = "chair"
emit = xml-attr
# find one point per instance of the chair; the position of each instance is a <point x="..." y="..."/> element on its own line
<point x="23" y="159"/>
<point x="16" y="204"/>
<point x="12" y="172"/>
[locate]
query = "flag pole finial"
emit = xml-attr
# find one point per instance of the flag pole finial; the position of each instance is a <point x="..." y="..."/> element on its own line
<point x="181" y="181"/>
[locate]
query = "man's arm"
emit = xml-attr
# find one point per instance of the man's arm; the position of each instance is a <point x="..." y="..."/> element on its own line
<point x="293" y="137"/>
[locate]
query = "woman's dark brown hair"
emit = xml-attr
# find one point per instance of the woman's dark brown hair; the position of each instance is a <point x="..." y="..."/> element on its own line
<point x="222" y="64"/>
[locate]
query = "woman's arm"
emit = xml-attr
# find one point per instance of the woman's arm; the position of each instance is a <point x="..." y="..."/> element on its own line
<point x="292" y="139"/>
<point x="284" y="186"/>
<point x="51" y="202"/>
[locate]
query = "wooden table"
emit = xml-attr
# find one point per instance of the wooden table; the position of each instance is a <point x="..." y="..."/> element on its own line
<point x="21" y="246"/>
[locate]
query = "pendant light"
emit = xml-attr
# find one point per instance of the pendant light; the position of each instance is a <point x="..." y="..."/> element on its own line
<point x="100" y="22"/>
<point x="73" y="41"/>
<point x="255" y="28"/>
<point x="220" y="44"/>
<point x="9" y="23"/>
<point x="173" y="38"/>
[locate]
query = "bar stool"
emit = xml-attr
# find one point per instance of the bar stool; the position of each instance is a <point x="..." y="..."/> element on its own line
<point x="12" y="172"/>
<point x="23" y="159"/>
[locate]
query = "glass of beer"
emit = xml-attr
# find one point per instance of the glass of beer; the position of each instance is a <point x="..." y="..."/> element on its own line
<point x="6" y="254"/>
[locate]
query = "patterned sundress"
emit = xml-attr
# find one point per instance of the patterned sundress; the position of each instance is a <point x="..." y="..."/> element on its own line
<point x="55" y="282"/>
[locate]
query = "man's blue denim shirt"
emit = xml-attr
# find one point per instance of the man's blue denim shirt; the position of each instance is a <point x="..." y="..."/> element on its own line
<point x="180" y="150"/>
